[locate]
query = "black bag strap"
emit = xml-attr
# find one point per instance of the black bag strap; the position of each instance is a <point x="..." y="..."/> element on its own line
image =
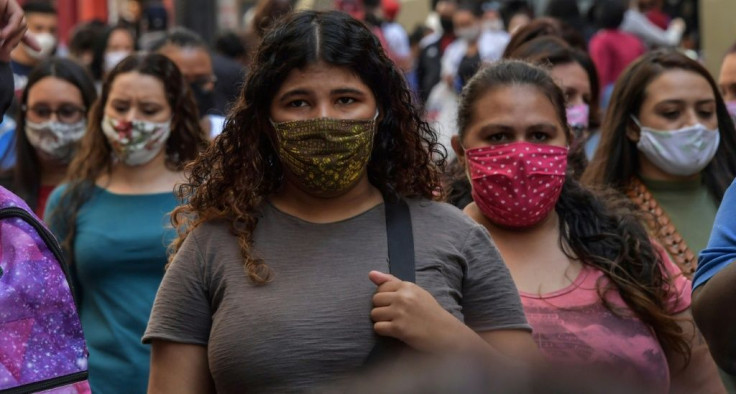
<point x="401" y="265"/>
<point x="400" y="241"/>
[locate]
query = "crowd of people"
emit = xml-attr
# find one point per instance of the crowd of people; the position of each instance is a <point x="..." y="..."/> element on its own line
<point x="562" y="186"/>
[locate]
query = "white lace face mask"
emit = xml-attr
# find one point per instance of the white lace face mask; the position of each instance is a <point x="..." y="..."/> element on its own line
<point x="681" y="152"/>
<point x="138" y="142"/>
<point x="55" y="139"/>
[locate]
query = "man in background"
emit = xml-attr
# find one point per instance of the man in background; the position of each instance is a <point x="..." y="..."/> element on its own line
<point x="42" y="22"/>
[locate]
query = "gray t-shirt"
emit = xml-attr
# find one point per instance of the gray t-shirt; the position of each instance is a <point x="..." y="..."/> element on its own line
<point x="312" y="324"/>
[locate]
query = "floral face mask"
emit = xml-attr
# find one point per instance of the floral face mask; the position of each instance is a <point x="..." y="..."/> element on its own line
<point x="138" y="142"/>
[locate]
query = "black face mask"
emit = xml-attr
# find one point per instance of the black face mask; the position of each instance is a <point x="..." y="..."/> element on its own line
<point x="205" y="99"/>
<point x="446" y="24"/>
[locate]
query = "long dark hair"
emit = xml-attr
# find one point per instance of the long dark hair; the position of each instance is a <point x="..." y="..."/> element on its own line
<point x="232" y="178"/>
<point x="543" y="27"/>
<point x="617" y="160"/>
<point x="95" y="156"/>
<point x="26" y="173"/>
<point x="598" y="229"/>
<point x="97" y="67"/>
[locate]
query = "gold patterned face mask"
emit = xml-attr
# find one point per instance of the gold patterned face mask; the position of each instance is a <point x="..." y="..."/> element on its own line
<point x="326" y="155"/>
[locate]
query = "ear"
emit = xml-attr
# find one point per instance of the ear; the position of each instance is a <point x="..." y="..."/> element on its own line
<point x="459" y="150"/>
<point x="633" y="132"/>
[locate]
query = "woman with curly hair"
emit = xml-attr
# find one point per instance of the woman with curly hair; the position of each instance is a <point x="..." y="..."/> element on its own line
<point x="599" y="295"/>
<point x="112" y="211"/>
<point x="284" y="229"/>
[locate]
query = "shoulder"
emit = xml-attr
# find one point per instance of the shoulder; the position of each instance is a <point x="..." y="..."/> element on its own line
<point x="439" y="217"/>
<point x="56" y="194"/>
<point x="212" y="237"/>
<point x="211" y="229"/>
<point x="430" y="40"/>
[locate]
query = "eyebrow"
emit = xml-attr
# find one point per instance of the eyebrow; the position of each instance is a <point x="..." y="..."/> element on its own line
<point x="679" y="101"/>
<point x="537" y="126"/>
<point x="347" y="91"/>
<point x="304" y="92"/>
<point x="291" y="93"/>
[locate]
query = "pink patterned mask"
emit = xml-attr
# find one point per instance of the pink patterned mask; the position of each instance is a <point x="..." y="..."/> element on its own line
<point x="577" y="117"/>
<point x="731" y="106"/>
<point x="517" y="184"/>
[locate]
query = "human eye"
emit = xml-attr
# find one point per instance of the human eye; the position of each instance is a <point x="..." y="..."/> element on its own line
<point x="670" y="114"/>
<point x="346" y="100"/>
<point x="497" y="138"/>
<point x="706" y="111"/>
<point x="120" y="106"/>
<point x="42" y="112"/>
<point x="539" y="136"/>
<point x="297" y="103"/>
<point x="69" y="109"/>
<point x="150" y="110"/>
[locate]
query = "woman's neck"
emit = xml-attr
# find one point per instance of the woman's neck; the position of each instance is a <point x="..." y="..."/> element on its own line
<point x="649" y="171"/>
<point x="297" y="202"/>
<point x="519" y="242"/>
<point x="52" y="174"/>
<point x="151" y="177"/>
<point x="533" y="255"/>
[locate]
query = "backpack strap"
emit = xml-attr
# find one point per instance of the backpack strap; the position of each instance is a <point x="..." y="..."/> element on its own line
<point x="401" y="265"/>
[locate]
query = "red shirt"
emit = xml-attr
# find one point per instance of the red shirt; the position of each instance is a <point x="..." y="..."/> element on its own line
<point x="659" y="18"/>
<point x="43" y="195"/>
<point x="612" y="51"/>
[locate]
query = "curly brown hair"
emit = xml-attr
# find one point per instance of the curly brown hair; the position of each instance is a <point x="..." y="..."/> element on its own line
<point x="231" y="179"/>
<point x="95" y="156"/>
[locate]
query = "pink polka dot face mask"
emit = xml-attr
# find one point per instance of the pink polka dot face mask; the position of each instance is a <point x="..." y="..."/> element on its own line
<point x="518" y="184"/>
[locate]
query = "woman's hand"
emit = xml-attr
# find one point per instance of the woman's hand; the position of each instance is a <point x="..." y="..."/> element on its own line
<point x="407" y="312"/>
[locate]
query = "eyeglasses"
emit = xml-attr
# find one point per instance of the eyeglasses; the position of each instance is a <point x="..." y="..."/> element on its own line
<point x="66" y="113"/>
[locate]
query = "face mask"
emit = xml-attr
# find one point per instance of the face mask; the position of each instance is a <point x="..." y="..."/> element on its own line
<point x="46" y="41"/>
<point x="327" y="156"/>
<point x="205" y="98"/>
<point x="518" y="184"/>
<point x="55" y="139"/>
<point x="113" y="58"/>
<point x="469" y="34"/>
<point x="138" y="142"/>
<point x="577" y="118"/>
<point x="680" y="152"/>
<point x="731" y="106"/>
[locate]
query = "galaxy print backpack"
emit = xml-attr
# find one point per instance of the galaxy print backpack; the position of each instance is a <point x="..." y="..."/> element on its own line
<point x="42" y="347"/>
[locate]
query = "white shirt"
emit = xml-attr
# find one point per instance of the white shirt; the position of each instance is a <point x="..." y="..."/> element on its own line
<point x="639" y="25"/>
<point x="396" y="39"/>
<point x="217" y="124"/>
<point x="491" y="45"/>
